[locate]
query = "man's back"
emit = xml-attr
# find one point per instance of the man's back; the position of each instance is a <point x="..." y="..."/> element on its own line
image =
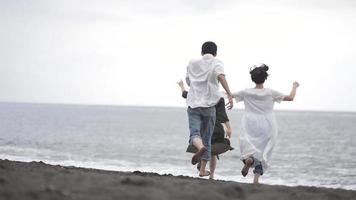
<point x="202" y="77"/>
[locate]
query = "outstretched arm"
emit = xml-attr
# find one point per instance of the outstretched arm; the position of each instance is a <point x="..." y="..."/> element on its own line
<point x="293" y="92"/>
<point x="224" y="84"/>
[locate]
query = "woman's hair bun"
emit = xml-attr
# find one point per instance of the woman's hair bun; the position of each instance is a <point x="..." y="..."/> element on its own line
<point x="264" y="67"/>
<point x="259" y="73"/>
<point x="259" y="68"/>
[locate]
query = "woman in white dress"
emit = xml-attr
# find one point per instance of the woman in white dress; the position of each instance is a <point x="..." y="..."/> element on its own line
<point x="259" y="128"/>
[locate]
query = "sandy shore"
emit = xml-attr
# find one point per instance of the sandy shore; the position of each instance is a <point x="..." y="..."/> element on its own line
<point x="37" y="180"/>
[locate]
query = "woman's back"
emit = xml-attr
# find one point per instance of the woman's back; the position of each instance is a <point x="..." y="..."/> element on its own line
<point x="259" y="101"/>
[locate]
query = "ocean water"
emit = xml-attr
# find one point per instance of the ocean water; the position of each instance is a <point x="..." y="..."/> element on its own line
<point x="313" y="149"/>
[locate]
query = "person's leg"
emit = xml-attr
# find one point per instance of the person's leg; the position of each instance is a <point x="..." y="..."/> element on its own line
<point x="197" y="142"/>
<point x="198" y="155"/>
<point x="258" y="171"/>
<point x="256" y="178"/>
<point x="194" y="118"/>
<point x="202" y="171"/>
<point x="213" y="162"/>
<point x="198" y="166"/>
<point x="248" y="163"/>
<point x="207" y="128"/>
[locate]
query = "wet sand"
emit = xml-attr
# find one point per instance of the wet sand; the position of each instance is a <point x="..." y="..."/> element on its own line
<point x="37" y="180"/>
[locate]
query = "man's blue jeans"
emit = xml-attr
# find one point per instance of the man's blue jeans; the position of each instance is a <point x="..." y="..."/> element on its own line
<point x="201" y="125"/>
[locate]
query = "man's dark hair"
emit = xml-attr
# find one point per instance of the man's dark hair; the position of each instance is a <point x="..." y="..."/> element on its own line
<point x="209" y="47"/>
<point x="259" y="74"/>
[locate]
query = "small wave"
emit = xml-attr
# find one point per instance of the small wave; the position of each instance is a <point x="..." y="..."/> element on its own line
<point x="55" y="158"/>
<point x="293" y="183"/>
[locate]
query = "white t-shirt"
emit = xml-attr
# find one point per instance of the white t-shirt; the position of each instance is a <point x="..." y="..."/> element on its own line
<point x="259" y="101"/>
<point x="202" y="77"/>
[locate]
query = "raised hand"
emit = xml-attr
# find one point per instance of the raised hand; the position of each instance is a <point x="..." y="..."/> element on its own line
<point x="181" y="85"/>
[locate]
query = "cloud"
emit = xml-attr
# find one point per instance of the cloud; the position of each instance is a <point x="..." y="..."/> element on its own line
<point x="88" y="51"/>
<point x="106" y="10"/>
<point x="135" y="10"/>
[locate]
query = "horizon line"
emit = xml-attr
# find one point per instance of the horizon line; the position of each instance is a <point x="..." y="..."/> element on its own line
<point x="158" y="106"/>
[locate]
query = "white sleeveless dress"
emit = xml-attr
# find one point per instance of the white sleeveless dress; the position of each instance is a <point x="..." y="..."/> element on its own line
<point x="259" y="132"/>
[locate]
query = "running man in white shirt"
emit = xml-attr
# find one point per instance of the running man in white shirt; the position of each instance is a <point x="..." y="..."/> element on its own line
<point x="203" y="77"/>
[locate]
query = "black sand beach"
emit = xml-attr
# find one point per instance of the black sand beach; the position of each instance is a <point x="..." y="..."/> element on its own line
<point x="37" y="180"/>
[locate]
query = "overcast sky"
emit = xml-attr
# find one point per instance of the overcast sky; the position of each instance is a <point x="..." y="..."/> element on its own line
<point x="132" y="52"/>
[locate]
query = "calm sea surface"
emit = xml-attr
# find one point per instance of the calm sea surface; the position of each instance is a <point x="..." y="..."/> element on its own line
<point x="313" y="149"/>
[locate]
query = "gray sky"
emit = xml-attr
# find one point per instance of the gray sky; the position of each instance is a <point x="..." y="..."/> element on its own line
<point x="131" y="52"/>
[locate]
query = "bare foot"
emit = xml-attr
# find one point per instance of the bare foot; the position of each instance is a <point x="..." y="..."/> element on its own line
<point x="206" y="173"/>
<point x="197" y="156"/>
<point x="256" y="178"/>
<point x="247" y="166"/>
<point x="198" y="166"/>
